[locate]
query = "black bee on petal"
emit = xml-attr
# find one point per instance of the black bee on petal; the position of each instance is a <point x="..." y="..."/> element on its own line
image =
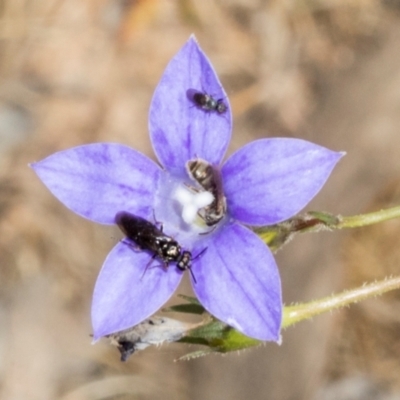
<point x="148" y="236"/>
<point x="206" y="102"/>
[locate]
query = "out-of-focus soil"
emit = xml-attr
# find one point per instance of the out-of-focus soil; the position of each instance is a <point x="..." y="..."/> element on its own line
<point x="75" y="72"/>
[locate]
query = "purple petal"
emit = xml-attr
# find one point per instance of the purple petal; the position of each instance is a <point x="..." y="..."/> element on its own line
<point x="125" y="294"/>
<point x="98" y="180"/>
<point x="270" y="180"/>
<point x="179" y="129"/>
<point x="238" y="282"/>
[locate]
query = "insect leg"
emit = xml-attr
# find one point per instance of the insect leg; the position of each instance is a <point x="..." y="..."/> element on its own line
<point x="200" y="254"/>
<point x="197" y="256"/>
<point x="132" y="245"/>
<point x="148" y="264"/>
<point x="160" y="224"/>
<point x="210" y="231"/>
<point x="192" y="274"/>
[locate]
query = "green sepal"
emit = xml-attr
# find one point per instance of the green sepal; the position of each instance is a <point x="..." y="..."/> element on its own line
<point x="194" y="306"/>
<point x="195" y="354"/>
<point x="189" y="299"/>
<point x="186" y="308"/>
<point x="219" y="337"/>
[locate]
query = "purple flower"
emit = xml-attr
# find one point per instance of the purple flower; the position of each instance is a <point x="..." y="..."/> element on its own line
<point x="265" y="182"/>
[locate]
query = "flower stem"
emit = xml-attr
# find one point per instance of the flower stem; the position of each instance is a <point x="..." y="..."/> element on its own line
<point x="299" y="312"/>
<point x="221" y="338"/>
<point x="369" y="219"/>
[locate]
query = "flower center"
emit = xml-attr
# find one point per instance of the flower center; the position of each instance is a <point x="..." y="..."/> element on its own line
<point x="177" y="207"/>
<point x="191" y="202"/>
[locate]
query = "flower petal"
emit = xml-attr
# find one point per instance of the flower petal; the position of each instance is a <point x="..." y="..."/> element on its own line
<point x="125" y="294"/>
<point x="238" y="282"/>
<point x="270" y="180"/>
<point x="98" y="180"/>
<point x="179" y="129"/>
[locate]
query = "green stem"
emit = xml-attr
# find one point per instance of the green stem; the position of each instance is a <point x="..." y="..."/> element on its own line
<point x="293" y="314"/>
<point x="369" y="219"/>
<point x="219" y="337"/>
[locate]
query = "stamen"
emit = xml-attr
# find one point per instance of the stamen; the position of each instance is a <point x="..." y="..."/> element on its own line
<point x="189" y="213"/>
<point x="203" y="199"/>
<point x="191" y="202"/>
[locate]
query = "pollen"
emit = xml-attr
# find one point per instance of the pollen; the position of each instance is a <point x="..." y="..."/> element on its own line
<point x="192" y="202"/>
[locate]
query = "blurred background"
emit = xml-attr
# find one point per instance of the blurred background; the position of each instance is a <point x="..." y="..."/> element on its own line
<point x="83" y="71"/>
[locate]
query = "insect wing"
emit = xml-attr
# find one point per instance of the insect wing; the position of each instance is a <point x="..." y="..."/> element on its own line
<point x="145" y="234"/>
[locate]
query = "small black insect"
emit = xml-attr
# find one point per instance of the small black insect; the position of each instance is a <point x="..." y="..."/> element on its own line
<point x="209" y="178"/>
<point x="148" y="236"/>
<point x="206" y="102"/>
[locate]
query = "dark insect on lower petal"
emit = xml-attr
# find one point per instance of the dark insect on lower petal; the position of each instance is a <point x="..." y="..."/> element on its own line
<point x="147" y="236"/>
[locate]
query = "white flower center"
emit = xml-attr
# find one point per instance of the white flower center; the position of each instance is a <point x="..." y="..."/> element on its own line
<point x="192" y="202"/>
